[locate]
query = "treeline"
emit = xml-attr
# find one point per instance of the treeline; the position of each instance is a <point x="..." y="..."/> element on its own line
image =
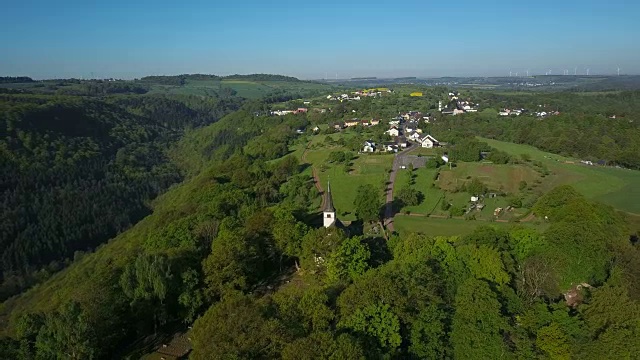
<point x="102" y="88"/>
<point x="15" y="79"/>
<point x="182" y="79"/>
<point x="76" y="172"/>
<point x="589" y="137"/>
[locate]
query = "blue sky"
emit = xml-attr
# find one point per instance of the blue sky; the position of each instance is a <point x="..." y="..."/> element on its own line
<point x="127" y="39"/>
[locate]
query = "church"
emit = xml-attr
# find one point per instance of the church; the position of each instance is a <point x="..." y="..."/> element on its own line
<point x="329" y="212"/>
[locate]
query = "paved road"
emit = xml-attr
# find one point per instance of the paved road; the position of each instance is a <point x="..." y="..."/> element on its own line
<point x="388" y="213"/>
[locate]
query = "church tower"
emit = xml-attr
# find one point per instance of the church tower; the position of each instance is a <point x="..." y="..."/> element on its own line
<point x="329" y="212"/>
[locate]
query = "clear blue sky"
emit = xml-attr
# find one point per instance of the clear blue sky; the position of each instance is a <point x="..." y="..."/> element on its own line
<point x="127" y="39"/>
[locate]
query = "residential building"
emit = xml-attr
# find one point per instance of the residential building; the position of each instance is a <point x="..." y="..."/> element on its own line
<point x="393" y="132"/>
<point x="369" y="146"/>
<point x="429" y="142"/>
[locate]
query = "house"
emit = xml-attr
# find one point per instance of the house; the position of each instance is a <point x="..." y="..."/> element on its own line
<point x="457" y="112"/>
<point x="369" y="146"/>
<point x="504" y="112"/>
<point x="419" y="131"/>
<point x="402" y="142"/>
<point x="395" y="122"/>
<point x="415" y="136"/>
<point x="429" y="142"/>
<point x="300" y="111"/>
<point x="393" y="131"/>
<point x="365" y="123"/>
<point x="411" y="128"/>
<point x="375" y="122"/>
<point x="352" y="122"/>
<point x="306" y="102"/>
<point x="390" y="147"/>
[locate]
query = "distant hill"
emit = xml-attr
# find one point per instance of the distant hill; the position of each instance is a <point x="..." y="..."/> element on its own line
<point x="15" y="79"/>
<point x="182" y="79"/>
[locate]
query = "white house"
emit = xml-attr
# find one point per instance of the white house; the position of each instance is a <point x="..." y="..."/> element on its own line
<point x="429" y="142"/>
<point x="402" y="142"/>
<point x="415" y="136"/>
<point x="390" y="147"/>
<point x="369" y="146"/>
<point x="393" y="132"/>
<point x="394" y="122"/>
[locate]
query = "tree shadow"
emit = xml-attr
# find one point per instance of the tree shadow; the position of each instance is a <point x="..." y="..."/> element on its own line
<point x="303" y="167"/>
<point x="356" y="228"/>
<point x="380" y="252"/>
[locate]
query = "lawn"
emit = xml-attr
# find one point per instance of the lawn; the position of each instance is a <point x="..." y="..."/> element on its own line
<point x="404" y="224"/>
<point x="497" y="177"/>
<point x="423" y="183"/>
<point x="366" y="169"/>
<point x="612" y="186"/>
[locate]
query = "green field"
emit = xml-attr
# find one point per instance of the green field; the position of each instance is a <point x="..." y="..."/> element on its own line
<point x="423" y="183"/>
<point x="496" y="177"/>
<point x="365" y="169"/>
<point x="616" y="187"/>
<point x="444" y="227"/>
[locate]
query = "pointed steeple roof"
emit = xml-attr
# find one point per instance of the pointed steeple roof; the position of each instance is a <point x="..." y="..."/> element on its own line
<point x="328" y="201"/>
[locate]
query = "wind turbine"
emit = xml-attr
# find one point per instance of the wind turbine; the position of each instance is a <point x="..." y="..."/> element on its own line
<point x="618" y="70"/>
<point x="575" y="71"/>
<point x="527" y="72"/>
<point x="587" y="71"/>
<point x="509" y="73"/>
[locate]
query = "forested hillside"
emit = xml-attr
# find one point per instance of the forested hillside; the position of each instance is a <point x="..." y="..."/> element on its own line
<point x="237" y="252"/>
<point x="76" y="172"/>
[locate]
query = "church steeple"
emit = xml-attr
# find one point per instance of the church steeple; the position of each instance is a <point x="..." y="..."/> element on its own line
<point x="328" y="201"/>
<point x="329" y="212"/>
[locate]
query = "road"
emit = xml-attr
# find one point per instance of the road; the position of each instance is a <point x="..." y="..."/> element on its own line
<point x="388" y="213"/>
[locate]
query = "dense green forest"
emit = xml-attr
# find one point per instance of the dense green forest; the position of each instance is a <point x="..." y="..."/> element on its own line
<point x="237" y="250"/>
<point x="76" y="172"/>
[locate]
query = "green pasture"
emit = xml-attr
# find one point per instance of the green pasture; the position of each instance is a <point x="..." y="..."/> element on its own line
<point x="405" y="224"/>
<point x="616" y="187"/>
<point x="423" y="183"/>
<point x="496" y="177"/>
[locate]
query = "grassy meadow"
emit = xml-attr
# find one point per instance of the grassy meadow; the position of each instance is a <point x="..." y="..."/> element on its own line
<point x="612" y="186"/>
<point x="404" y="224"/>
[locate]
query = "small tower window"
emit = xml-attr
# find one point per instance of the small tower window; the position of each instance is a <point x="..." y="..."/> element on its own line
<point x="329" y="216"/>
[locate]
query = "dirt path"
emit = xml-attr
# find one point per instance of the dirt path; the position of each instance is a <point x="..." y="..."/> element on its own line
<point x="528" y="218"/>
<point x="316" y="177"/>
